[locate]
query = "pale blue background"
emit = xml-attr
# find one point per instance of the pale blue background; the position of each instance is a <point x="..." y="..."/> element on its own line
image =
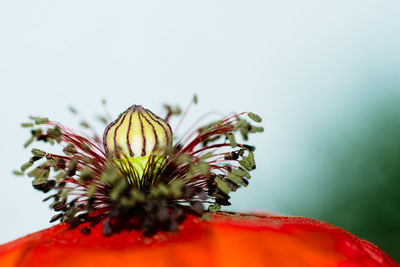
<point x="304" y="66"/>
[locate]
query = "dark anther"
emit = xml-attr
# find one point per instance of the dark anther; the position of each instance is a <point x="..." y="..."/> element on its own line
<point x="107" y="228"/>
<point x="85" y="230"/>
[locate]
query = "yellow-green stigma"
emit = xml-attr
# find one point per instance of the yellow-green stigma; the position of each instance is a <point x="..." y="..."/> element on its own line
<point x="134" y="138"/>
<point x="134" y="168"/>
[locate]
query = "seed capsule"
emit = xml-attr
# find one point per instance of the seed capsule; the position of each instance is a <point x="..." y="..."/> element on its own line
<point x="137" y="132"/>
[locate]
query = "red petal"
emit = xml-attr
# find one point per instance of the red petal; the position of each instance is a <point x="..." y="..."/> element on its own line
<point x="225" y="240"/>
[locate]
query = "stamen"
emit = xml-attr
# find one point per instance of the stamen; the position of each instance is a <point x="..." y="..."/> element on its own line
<point x="137" y="175"/>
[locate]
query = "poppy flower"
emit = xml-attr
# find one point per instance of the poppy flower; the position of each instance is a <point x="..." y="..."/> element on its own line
<point x="141" y="195"/>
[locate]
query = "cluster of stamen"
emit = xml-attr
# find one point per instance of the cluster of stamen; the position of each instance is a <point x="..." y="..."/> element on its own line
<point x="136" y="176"/>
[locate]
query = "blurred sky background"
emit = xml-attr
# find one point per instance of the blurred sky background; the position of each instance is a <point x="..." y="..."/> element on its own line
<point x="323" y="75"/>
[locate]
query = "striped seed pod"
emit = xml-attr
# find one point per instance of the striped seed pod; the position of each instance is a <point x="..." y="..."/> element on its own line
<point x="137" y="132"/>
